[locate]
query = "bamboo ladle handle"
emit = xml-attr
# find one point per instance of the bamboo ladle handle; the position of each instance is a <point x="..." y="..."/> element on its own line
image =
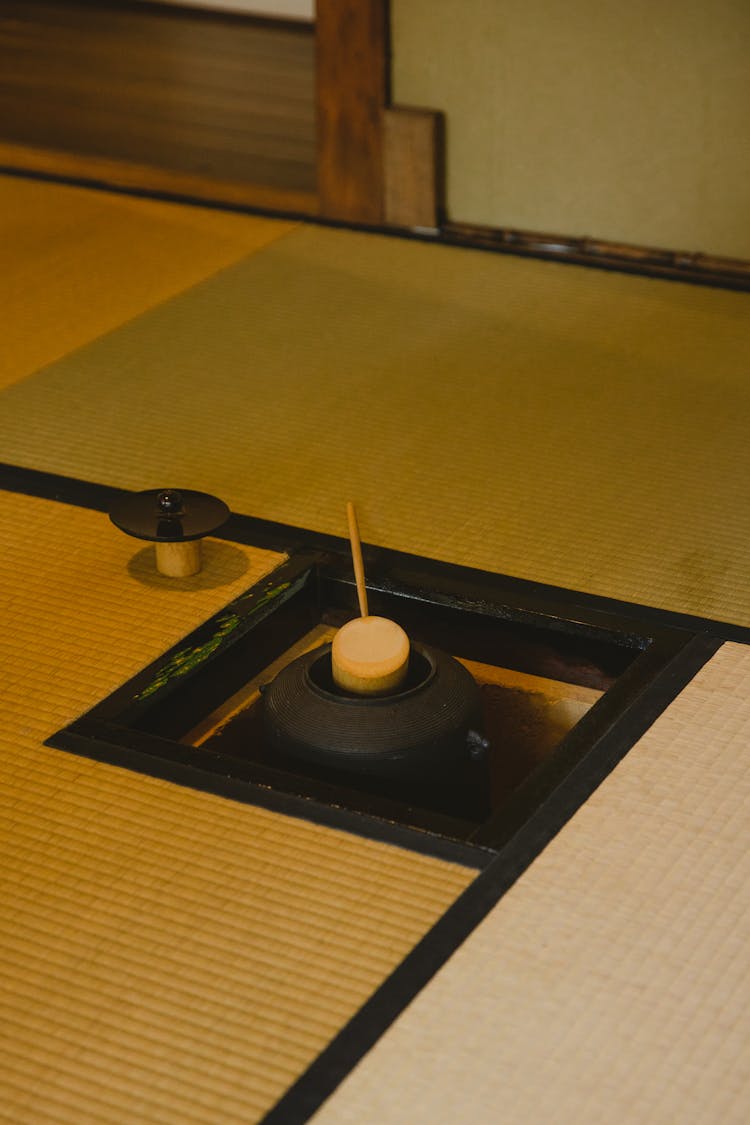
<point x="369" y="655"/>
<point x="359" y="566"/>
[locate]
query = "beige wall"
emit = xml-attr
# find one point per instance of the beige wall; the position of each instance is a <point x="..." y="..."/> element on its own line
<point x="626" y="120"/>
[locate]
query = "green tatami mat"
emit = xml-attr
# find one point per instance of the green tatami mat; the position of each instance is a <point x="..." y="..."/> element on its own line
<point x="75" y="263"/>
<point x="572" y="426"/>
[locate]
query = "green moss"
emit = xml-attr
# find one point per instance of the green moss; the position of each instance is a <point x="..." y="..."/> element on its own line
<point x="187" y="659"/>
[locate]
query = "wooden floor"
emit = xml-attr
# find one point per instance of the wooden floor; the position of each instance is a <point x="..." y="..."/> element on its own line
<point x="194" y="94"/>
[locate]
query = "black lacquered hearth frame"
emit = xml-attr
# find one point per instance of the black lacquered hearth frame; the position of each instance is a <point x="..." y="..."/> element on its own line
<point x="139" y="725"/>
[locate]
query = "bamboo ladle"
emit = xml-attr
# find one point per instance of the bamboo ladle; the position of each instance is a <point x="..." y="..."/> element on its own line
<point x="369" y="655"/>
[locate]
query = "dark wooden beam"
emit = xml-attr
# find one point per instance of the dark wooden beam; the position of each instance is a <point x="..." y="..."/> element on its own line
<point x="352" y="67"/>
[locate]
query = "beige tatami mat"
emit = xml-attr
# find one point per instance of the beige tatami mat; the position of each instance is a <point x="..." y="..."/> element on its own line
<point x="577" y="427"/>
<point x="612" y="982"/>
<point x="165" y="956"/>
<point x="75" y="263"/>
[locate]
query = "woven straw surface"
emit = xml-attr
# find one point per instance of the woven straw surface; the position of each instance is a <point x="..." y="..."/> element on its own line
<point x="76" y="263"/>
<point x="573" y="426"/>
<point x="171" y="957"/>
<point x="167" y="956"/>
<point x="612" y="982"/>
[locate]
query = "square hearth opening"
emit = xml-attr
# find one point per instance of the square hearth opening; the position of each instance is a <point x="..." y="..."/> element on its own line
<point x="552" y="682"/>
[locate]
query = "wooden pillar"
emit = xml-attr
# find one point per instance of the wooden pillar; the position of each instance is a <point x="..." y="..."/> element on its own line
<point x="352" y="68"/>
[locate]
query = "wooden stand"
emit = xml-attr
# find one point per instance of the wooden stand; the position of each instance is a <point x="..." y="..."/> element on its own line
<point x="178" y="560"/>
<point x="173" y="520"/>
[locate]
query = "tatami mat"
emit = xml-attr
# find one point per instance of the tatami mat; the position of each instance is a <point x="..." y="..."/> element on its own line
<point x="77" y="263"/>
<point x="612" y="982"/>
<point x="577" y="427"/>
<point x="166" y="956"/>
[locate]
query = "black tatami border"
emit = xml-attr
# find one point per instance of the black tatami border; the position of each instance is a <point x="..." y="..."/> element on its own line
<point x="274" y="536"/>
